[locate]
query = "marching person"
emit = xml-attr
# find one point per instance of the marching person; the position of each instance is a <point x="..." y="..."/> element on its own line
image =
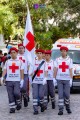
<point x="63" y="74"/>
<point x="50" y="84"/>
<point x="39" y="80"/>
<point x="24" y="89"/>
<point x="14" y="80"/>
<point x="45" y="86"/>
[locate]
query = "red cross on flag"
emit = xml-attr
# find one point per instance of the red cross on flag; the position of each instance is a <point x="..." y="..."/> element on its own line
<point x="29" y="41"/>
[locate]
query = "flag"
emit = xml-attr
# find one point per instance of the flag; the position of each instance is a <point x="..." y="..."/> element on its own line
<point x="29" y="42"/>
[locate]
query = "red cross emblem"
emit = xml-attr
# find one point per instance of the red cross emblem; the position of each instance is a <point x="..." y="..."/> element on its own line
<point x="30" y="38"/>
<point x="39" y="72"/>
<point x="22" y="59"/>
<point x="49" y="67"/>
<point x="14" y="67"/>
<point x="63" y="66"/>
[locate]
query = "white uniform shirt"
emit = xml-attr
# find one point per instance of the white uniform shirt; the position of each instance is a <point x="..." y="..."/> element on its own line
<point x="25" y="62"/>
<point x="49" y="69"/>
<point x="40" y="75"/>
<point x="63" y="66"/>
<point x="13" y="68"/>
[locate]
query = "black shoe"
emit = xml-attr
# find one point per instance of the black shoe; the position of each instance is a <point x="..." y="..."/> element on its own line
<point x="53" y="105"/>
<point x="60" y="113"/>
<point x="42" y="109"/>
<point x="28" y="99"/>
<point x="18" y="107"/>
<point x="69" y="111"/>
<point x="12" y="110"/>
<point x="35" y="113"/>
<point x="25" y="102"/>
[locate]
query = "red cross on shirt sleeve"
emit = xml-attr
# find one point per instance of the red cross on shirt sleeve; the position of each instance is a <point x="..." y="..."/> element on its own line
<point x="22" y="59"/>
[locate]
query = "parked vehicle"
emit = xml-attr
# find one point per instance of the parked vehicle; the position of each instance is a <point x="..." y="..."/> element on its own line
<point x="74" y="52"/>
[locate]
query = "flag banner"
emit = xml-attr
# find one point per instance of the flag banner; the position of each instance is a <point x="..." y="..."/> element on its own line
<point x="29" y="42"/>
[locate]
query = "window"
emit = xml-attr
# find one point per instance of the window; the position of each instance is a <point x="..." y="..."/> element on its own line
<point x="74" y="55"/>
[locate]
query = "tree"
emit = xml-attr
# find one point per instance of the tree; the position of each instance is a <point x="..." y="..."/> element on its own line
<point x="6" y="20"/>
<point x="65" y="16"/>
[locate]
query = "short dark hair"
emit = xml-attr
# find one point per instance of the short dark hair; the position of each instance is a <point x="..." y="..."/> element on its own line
<point x="5" y="54"/>
<point x="0" y="51"/>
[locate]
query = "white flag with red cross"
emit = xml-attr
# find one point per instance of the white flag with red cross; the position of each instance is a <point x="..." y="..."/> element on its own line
<point x="29" y="42"/>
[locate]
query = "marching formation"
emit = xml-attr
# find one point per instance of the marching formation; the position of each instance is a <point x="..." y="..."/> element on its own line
<point x="45" y="76"/>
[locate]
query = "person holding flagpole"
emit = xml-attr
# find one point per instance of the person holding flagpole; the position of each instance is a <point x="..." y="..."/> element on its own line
<point x="24" y="89"/>
<point x="29" y="45"/>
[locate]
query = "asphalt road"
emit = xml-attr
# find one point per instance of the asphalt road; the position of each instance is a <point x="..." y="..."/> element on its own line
<point x="27" y="113"/>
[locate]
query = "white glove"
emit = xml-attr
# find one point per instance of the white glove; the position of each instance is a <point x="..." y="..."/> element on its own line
<point x="1" y="80"/>
<point x="54" y="82"/>
<point x="44" y="81"/>
<point x="21" y="83"/>
<point x="70" y="82"/>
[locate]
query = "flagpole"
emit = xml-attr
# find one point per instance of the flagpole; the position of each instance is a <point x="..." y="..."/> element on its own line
<point x="26" y="1"/>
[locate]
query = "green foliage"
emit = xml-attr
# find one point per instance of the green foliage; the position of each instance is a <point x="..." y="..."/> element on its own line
<point x="74" y="5"/>
<point x="6" y="20"/>
<point x="57" y="33"/>
<point x="44" y="40"/>
<point x="45" y="44"/>
<point x="13" y="17"/>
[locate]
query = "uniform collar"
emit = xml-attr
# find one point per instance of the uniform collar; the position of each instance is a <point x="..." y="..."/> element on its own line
<point x="14" y="59"/>
<point x="64" y="58"/>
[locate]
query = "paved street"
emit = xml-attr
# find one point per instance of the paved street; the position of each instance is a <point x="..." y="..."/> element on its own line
<point x="27" y="113"/>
